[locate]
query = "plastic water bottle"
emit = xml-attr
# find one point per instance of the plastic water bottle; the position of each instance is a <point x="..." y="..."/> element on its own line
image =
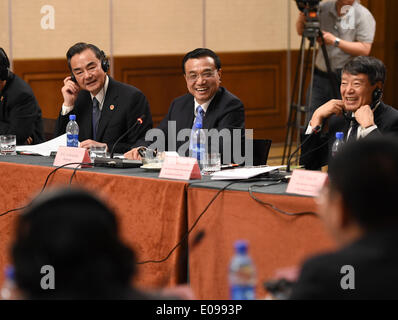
<point x="72" y="132"/>
<point x="7" y="291"/>
<point x="199" y="144"/>
<point x="338" y="143"/>
<point x="242" y="274"/>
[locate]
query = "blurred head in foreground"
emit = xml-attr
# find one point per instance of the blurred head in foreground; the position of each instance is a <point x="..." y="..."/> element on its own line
<point x="362" y="189"/>
<point x="75" y="233"/>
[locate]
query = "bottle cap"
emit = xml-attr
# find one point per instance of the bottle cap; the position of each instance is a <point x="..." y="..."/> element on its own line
<point x="72" y="117"/>
<point x="339" y="135"/>
<point x="241" y="246"/>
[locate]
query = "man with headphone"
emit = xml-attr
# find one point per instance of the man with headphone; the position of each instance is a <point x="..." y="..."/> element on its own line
<point x="20" y="113"/>
<point x="105" y="108"/>
<point x="359" y="114"/>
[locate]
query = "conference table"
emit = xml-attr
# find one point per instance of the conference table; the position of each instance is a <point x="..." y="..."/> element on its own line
<point x="155" y="214"/>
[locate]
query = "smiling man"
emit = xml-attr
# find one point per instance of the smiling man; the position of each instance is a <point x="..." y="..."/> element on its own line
<point x="348" y="29"/>
<point x="359" y="114"/>
<point x="214" y="106"/>
<point x="105" y="108"/>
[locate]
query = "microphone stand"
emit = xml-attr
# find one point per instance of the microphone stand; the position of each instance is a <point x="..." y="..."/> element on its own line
<point x="120" y="163"/>
<point x="139" y="121"/>
<point x="314" y="131"/>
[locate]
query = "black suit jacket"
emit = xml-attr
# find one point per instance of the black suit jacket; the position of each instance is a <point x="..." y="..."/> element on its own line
<point x="20" y="113"/>
<point x="374" y="259"/>
<point x="315" y="153"/>
<point x="122" y="106"/>
<point x="225" y="111"/>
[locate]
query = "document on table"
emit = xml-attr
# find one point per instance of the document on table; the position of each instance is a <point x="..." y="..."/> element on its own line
<point x="242" y="173"/>
<point x="45" y="148"/>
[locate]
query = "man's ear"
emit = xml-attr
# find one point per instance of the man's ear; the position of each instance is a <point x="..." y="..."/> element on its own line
<point x="344" y="215"/>
<point x="337" y="218"/>
<point x="219" y="71"/>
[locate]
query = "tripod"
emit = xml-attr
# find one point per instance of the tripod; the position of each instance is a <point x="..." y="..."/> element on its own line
<point x="295" y="124"/>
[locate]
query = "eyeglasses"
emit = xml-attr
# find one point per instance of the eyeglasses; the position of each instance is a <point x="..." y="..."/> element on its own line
<point x="192" y="77"/>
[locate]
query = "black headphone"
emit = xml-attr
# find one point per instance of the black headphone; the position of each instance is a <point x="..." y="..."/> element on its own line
<point x="4" y="65"/>
<point x="104" y="62"/>
<point x="376" y="96"/>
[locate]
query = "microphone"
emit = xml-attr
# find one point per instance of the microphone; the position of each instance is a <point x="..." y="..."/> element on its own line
<point x="138" y="122"/>
<point x="120" y="163"/>
<point x="315" y="130"/>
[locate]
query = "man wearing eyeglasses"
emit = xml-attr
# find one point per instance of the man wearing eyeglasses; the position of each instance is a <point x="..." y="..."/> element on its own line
<point x="105" y="108"/>
<point x="214" y="106"/>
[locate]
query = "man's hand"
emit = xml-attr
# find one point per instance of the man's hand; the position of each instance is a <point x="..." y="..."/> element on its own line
<point x="300" y="23"/>
<point x="88" y="144"/>
<point x="364" y="116"/>
<point x="329" y="38"/>
<point x="69" y="91"/>
<point x="333" y="106"/>
<point x="29" y="140"/>
<point x="133" y="154"/>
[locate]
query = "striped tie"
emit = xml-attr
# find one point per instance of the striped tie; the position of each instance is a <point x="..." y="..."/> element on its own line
<point x="353" y="132"/>
<point x="199" y="119"/>
<point x="96" y="116"/>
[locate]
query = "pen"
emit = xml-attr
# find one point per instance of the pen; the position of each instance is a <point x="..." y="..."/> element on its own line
<point x="229" y="166"/>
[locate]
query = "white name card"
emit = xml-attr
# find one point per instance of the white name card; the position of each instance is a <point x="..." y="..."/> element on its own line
<point x="71" y="155"/>
<point x="306" y="182"/>
<point x="180" y="168"/>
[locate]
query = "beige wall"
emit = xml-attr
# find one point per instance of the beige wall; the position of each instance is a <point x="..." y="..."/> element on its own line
<point x="246" y="25"/>
<point x="4" y="43"/>
<point x="157" y="26"/>
<point x="145" y="27"/>
<point x="75" y="20"/>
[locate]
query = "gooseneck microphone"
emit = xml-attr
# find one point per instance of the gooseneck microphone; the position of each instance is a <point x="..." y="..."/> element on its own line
<point x="315" y="130"/>
<point x="138" y="122"/>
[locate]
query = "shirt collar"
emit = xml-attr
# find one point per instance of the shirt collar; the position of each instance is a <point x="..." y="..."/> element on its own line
<point x="203" y="105"/>
<point x="333" y="11"/>
<point x="101" y="95"/>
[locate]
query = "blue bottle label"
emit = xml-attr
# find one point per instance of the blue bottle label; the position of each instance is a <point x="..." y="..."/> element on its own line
<point x="242" y="292"/>
<point x="72" y="140"/>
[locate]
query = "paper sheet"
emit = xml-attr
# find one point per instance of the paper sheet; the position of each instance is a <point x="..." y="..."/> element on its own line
<point x="45" y="148"/>
<point x="242" y="173"/>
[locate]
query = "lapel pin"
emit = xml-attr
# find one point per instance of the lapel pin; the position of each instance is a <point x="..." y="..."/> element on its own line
<point x="111" y="107"/>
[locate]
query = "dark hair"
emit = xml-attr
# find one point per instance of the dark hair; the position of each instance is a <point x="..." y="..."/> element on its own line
<point x="199" y="53"/>
<point x="77" y="234"/>
<point x="365" y="173"/>
<point x="4" y="65"/>
<point x="80" y="47"/>
<point x="371" y="66"/>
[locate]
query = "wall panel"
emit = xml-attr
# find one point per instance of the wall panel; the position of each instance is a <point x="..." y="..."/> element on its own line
<point x="75" y="20"/>
<point x="157" y="26"/>
<point x="4" y="34"/>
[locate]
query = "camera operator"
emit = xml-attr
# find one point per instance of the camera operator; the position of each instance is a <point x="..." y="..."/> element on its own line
<point x="348" y="29"/>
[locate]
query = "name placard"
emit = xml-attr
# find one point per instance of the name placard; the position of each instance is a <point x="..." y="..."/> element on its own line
<point x="306" y="182"/>
<point x="71" y="155"/>
<point x="180" y="168"/>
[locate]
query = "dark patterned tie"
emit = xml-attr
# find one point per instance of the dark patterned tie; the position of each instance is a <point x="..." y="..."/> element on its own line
<point x="96" y="116"/>
<point x="354" y="131"/>
<point x="199" y="119"/>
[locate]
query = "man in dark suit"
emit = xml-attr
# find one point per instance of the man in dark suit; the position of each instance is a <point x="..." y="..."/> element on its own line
<point x="359" y="114"/>
<point x="105" y="108"/>
<point x="214" y="105"/>
<point x="358" y="207"/>
<point x="20" y="113"/>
